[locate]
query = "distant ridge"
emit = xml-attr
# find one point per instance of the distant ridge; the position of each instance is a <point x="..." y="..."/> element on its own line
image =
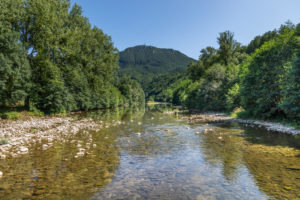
<point x="144" y="62"/>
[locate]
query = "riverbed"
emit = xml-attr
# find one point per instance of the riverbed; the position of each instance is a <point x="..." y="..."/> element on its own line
<point x="152" y="153"/>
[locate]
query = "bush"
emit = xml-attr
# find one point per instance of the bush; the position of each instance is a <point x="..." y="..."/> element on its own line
<point x="233" y="97"/>
<point x="240" y="113"/>
<point x="12" y="115"/>
<point x="35" y="113"/>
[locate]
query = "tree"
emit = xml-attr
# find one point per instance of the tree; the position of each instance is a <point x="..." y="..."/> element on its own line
<point x="14" y="69"/>
<point x="291" y="103"/>
<point x="262" y="86"/>
<point x="228" y="46"/>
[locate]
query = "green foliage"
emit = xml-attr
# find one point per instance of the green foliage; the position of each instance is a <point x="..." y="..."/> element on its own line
<point x="52" y="59"/>
<point x="35" y="113"/>
<point x="143" y="63"/>
<point x="233" y="97"/>
<point x="258" y="41"/>
<point x="11" y="115"/>
<point x="14" y="70"/>
<point x="266" y="81"/>
<point x="3" y="141"/>
<point x="263" y="85"/>
<point x="159" y="88"/>
<point x="291" y="103"/>
<point x="228" y="48"/>
<point x="132" y="91"/>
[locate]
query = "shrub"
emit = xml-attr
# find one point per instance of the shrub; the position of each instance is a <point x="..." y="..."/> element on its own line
<point x="11" y="115"/>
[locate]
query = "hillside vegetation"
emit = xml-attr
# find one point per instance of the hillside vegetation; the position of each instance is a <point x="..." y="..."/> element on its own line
<point x="143" y="63"/>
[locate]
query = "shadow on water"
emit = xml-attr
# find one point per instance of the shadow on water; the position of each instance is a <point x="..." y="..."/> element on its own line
<point x="117" y="114"/>
<point x="272" y="158"/>
<point x="259" y="135"/>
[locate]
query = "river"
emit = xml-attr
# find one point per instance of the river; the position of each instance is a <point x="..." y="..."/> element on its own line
<point x="157" y="155"/>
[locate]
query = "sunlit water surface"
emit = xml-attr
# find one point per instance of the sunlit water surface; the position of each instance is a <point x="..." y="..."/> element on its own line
<point x="159" y="156"/>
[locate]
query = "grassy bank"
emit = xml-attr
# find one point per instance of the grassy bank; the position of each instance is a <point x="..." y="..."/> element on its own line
<point x="18" y="113"/>
<point x="243" y="114"/>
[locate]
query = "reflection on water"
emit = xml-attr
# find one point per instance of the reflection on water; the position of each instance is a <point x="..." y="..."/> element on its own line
<point x="159" y="156"/>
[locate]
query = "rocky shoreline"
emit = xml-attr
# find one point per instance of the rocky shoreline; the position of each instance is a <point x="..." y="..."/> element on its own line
<point x="221" y="117"/>
<point x="21" y="134"/>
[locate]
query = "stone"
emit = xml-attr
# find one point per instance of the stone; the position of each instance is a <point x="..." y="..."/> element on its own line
<point x="23" y="150"/>
<point x="45" y="146"/>
<point x="1" y="174"/>
<point x="80" y="154"/>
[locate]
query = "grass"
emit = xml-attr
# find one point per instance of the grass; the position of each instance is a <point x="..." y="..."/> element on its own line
<point x="12" y="115"/>
<point x="240" y="113"/>
<point x="3" y="141"/>
<point x="15" y="113"/>
<point x="243" y="114"/>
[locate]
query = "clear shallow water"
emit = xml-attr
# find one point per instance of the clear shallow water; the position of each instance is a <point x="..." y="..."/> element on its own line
<point x="159" y="156"/>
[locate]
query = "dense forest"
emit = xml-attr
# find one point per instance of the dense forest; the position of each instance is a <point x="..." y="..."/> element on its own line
<point x="260" y="80"/>
<point x="145" y="63"/>
<point x="53" y="60"/>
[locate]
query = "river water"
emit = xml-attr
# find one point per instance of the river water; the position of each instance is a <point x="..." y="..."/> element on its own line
<point x="155" y="155"/>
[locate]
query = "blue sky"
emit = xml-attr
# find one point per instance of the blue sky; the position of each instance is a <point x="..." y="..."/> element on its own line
<point x="186" y="25"/>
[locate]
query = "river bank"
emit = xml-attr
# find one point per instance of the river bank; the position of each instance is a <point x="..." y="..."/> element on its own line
<point x="221" y="117"/>
<point x="19" y="135"/>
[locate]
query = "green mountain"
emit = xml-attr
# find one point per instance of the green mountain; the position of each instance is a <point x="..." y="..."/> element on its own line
<point x="143" y="63"/>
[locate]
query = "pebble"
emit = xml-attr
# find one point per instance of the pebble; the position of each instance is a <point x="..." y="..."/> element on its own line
<point x="80" y="154"/>
<point x="44" y="146"/>
<point x="23" y="150"/>
<point x="49" y="129"/>
<point x="1" y="174"/>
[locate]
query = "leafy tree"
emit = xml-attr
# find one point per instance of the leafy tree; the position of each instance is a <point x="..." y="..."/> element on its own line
<point x="291" y="103"/>
<point x="228" y="48"/>
<point x="14" y="69"/>
<point x="233" y="97"/>
<point x="73" y="65"/>
<point x="131" y="90"/>
<point x="258" y="41"/>
<point x="262" y="86"/>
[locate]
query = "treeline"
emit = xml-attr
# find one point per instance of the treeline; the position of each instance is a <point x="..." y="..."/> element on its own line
<point x="52" y="59"/>
<point x="262" y="78"/>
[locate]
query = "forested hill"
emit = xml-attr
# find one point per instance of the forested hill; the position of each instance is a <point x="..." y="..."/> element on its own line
<point x="144" y="62"/>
